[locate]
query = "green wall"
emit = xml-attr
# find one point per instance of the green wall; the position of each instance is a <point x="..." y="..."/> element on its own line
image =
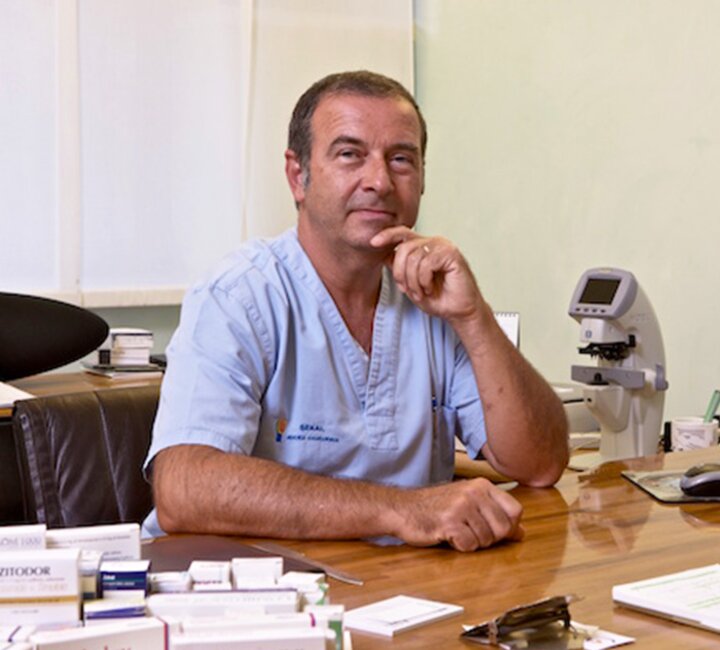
<point x="566" y="135"/>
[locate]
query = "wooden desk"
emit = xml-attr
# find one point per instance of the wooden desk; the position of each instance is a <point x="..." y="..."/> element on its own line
<point x="60" y="383"/>
<point x="590" y="532"/>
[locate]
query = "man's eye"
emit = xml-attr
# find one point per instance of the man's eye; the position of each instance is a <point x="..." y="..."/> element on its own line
<point x="348" y="154"/>
<point x="402" y="160"/>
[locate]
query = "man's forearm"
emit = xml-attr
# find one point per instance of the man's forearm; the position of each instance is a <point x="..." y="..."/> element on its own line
<point x="526" y="423"/>
<point x="527" y="428"/>
<point x="199" y="489"/>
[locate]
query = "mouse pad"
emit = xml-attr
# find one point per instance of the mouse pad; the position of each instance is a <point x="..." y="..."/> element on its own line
<point x="663" y="486"/>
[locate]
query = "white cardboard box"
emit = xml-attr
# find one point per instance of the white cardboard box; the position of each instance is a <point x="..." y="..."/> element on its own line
<point x="40" y="587"/>
<point x="224" y="603"/>
<point x="242" y="622"/>
<point x="314" y="638"/>
<point x="209" y="571"/>
<point x="124" y="578"/>
<point x="253" y="572"/>
<point x="137" y="634"/>
<point x="22" y="538"/>
<point x="15" y="633"/>
<point x="115" y="541"/>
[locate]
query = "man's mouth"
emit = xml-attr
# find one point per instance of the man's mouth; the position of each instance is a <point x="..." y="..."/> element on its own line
<point x="375" y="212"/>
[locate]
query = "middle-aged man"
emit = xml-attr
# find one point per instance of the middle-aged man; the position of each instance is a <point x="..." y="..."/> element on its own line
<point x="317" y="381"/>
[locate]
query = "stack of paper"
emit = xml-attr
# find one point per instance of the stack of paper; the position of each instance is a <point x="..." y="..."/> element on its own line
<point x="691" y="597"/>
<point x="125" y="346"/>
<point x="125" y="352"/>
<point x="398" y="614"/>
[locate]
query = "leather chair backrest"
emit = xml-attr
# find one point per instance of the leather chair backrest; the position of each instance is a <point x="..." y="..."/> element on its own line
<point x="80" y="456"/>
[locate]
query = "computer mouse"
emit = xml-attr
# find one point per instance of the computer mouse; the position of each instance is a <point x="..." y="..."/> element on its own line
<point x="702" y="480"/>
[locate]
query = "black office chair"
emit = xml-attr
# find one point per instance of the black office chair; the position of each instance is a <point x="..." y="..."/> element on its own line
<point x="81" y="455"/>
<point x="39" y="334"/>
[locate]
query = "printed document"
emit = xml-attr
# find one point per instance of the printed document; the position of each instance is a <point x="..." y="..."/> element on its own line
<point x="691" y="597"/>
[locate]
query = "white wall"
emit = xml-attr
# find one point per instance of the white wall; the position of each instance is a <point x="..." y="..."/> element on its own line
<point x="566" y="135"/>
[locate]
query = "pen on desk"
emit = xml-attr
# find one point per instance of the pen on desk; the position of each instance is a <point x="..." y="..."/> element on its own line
<point x="712" y="406"/>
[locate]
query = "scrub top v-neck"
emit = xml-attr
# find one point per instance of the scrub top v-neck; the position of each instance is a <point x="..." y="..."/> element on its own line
<point x="263" y="364"/>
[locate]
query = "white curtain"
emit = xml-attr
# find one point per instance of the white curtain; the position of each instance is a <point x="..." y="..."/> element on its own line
<point x="141" y="141"/>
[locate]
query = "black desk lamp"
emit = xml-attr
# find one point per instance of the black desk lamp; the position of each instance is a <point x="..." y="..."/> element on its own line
<point x="39" y="334"/>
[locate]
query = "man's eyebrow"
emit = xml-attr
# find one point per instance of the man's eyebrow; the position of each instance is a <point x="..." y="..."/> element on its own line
<point x="345" y="139"/>
<point x="407" y="146"/>
<point x="348" y="139"/>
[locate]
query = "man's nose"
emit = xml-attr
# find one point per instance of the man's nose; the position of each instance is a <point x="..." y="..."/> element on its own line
<point x="377" y="175"/>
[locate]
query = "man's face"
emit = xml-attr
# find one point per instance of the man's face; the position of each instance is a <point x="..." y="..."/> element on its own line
<point x="365" y="172"/>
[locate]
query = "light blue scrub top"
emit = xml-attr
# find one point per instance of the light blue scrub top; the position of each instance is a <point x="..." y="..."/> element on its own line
<point x="263" y="364"/>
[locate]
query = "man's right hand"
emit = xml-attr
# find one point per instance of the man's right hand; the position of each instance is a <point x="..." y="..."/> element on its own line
<point x="468" y="515"/>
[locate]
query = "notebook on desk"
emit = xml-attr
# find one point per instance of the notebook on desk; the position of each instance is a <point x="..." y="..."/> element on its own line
<point x="690" y="597"/>
<point x="509" y="322"/>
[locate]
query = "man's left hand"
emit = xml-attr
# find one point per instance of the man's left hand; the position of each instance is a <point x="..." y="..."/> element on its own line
<point x="432" y="272"/>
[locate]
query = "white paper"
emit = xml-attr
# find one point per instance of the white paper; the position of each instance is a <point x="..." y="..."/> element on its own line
<point x="692" y="596"/>
<point x="9" y="395"/>
<point x="600" y="639"/>
<point x="388" y="617"/>
<point x="509" y="322"/>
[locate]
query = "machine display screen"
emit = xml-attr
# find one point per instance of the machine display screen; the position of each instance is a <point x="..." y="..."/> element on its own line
<point x="599" y="292"/>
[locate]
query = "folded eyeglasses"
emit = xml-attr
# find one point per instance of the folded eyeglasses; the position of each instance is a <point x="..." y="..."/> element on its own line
<point x="542" y="624"/>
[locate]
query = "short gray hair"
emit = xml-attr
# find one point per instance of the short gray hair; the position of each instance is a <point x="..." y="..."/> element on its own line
<point x="360" y="82"/>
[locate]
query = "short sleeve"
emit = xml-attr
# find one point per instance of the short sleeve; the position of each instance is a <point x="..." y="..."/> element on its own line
<point x="218" y="366"/>
<point x="464" y="398"/>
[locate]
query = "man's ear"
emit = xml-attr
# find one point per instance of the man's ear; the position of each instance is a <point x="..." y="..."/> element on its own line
<point x="295" y="176"/>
